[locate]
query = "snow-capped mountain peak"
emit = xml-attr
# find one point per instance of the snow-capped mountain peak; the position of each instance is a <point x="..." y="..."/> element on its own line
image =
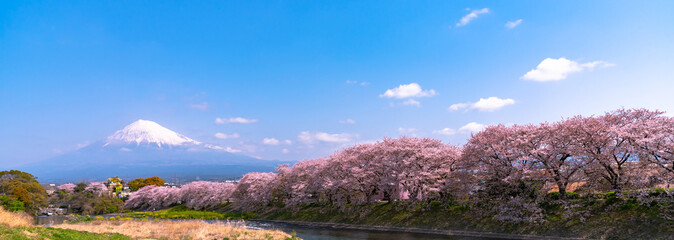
<point x="145" y="148"/>
<point x="148" y="132"/>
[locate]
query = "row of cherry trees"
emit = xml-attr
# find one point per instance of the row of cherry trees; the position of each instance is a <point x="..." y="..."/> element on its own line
<point x="620" y="149"/>
<point x="623" y="149"/>
<point x="195" y="195"/>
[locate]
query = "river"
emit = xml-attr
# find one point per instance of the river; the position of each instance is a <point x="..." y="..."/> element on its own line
<point x="324" y="233"/>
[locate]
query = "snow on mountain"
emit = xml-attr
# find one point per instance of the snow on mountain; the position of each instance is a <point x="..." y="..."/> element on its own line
<point x="148" y="132"/>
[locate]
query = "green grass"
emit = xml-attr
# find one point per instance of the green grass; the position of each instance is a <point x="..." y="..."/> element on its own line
<point x="182" y="212"/>
<point x="43" y="233"/>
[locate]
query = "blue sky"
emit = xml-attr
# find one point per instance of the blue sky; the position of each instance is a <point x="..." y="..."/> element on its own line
<point x="316" y="73"/>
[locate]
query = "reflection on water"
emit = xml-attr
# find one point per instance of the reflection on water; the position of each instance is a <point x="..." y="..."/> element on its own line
<point x="52" y="220"/>
<point x="318" y="233"/>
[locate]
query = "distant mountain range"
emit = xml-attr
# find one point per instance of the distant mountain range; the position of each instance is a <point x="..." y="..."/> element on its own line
<point x="144" y="149"/>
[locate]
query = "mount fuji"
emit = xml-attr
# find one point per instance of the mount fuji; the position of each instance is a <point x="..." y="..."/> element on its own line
<point x="144" y="149"/>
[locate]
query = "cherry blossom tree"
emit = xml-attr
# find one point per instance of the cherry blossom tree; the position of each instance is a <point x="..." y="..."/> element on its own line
<point x="496" y="156"/>
<point x="251" y="191"/>
<point x="302" y="183"/>
<point x="203" y="194"/>
<point x="392" y="168"/>
<point x="423" y="165"/>
<point x="153" y="197"/>
<point x="655" y="139"/>
<point x="97" y="188"/>
<point x="195" y="195"/>
<point x="609" y="143"/>
<point x="68" y="187"/>
<point x="356" y="174"/>
<point x="554" y="149"/>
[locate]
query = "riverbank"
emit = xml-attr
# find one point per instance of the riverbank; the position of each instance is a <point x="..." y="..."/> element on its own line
<point x="455" y="233"/>
<point x="14" y="226"/>
<point x="610" y="218"/>
<point x="7" y="233"/>
<point x="175" y="230"/>
<point x="182" y="212"/>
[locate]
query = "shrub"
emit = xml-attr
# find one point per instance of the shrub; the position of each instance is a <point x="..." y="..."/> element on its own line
<point x="16" y="206"/>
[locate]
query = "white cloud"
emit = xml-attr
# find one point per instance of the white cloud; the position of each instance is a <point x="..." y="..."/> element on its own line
<point x="81" y="145"/>
<point x="351" y="82"/>
<point x="270" y="141"/>
<point x="347" y="121"/>
<point x="412" y="102"/>
<point x="513" y="24"/>
<point x="407" y="91"/>
<point x="472" y="15"/>
<point x="285" y="150"/>
<point x="313" y="137"/>
<point x="458" y="106"/>
<point x="227" y="149"/>
<point x="201" y="106"/>
<point x="445" y="131"/>
<point x="492" y="103"/>
<point x="472" y="127"/>
<point x="232" y="150"/>
<point x="226" y="136"/>
<point x="234" y="120"/>
<point x="274" y="141"/>
<point x="489" y="104"/>
<point x="592" y="65"/>
<point x="552" y="69"/>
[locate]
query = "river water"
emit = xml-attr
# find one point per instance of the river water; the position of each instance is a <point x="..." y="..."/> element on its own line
<point x="51" y="220"/>
<point x="322" y="233"/>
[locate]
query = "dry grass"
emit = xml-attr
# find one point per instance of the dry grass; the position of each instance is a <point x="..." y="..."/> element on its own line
<point x="15" y="219"/>
<point x="174" y="230"/>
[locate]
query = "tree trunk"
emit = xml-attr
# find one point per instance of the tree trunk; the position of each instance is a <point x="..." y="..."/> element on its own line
<point x="562" y="190"/>
<point x="387" y="196"/>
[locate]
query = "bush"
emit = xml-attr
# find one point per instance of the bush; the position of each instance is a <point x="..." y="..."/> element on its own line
<point x="569" y="195"/>
<point x="435" y="205"/>
<point x="139" y="183"/>
<point x="605" y="195"/>
<point x="573" y="195"/>
<point x="612" y="199"/>
<point x="21" y="186"/>
<point x="16" y="206"/>
<point x="4" y="201"/>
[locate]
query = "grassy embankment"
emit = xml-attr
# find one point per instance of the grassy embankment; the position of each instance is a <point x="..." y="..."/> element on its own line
<point x="591" y="216"/>
<point x="182" y="212"/>
<point x="16" y="226"/>
<point x="20" y="233"/>
<point x="168" y="230"/>
<point x="604" y="216"/>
